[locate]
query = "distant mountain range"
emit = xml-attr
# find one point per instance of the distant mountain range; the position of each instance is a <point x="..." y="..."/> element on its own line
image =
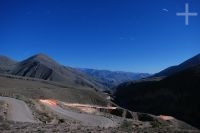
<point x="43" y="67"/>
<point x="111" y="79"/>
<point x="177" y="94"/>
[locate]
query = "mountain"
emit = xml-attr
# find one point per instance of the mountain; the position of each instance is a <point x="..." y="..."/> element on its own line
<point x="31" y="80"/>
<point x="6" y="61"/>
<point x="176" y="95"/>
<point x="111" y="79"/>
<point x="43" y="67"/>
<point x="174" y="69"/>
<point x="6" y="64"/>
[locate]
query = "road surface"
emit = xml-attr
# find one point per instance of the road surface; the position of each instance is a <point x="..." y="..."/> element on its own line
<point x="18" y="110"/>
<point x="86" y="119"/>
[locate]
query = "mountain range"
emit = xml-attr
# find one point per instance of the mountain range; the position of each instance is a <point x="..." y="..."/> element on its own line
<point x="110" y="79"/>
<point x="43" y="67"/>
<point x="171" y="92"/>
<point x="175" y="94"/>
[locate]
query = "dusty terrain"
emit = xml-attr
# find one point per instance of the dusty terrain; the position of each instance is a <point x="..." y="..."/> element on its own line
<point x="85" y="119"/>
<point x="70" y="110"/>
<point x="74" y="122"/>
<point x="13" y="86"/>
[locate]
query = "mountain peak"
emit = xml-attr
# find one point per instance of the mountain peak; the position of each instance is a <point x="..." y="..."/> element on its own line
<point x="42" y="58"/>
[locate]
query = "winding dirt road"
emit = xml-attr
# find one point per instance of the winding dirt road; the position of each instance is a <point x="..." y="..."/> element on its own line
<point x="18" y="110"/>
<point x="86" y="119"/>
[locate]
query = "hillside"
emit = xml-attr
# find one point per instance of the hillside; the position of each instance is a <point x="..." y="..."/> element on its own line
<point x="13" y="86"/>
<point x="6" y="64"/>
<point x="43" y="106"/>
<point x="176" y="95"/>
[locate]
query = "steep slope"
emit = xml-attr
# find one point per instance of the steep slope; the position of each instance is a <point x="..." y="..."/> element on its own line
<point x="176" y="95"/>
<point x="43" y="67"/>
<point x="174" y="69"/>
<point x="111" y="79"/>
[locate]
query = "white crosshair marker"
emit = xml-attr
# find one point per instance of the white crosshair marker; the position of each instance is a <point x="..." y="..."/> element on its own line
<point x="186" y="14"/>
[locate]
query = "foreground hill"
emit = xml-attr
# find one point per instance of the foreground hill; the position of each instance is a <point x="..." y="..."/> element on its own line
<point x="176" y="95"/>
<point x="33" y="105"/>
<point x="111" y="79"/>
<point x="14" y="86"/>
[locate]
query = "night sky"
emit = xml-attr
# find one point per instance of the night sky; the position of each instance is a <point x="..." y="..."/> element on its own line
<point x="127" y="35"/>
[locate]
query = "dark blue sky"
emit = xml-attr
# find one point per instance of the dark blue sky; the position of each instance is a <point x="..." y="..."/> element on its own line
<point x="128" y="35"/>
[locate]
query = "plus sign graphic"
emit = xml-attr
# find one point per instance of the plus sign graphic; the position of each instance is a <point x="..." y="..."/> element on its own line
<point x="186" y="14"/>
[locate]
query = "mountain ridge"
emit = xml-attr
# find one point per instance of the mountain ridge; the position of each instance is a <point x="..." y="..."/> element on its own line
<point x="195" y="60"/>
<point x="176" y="95"/>
<point x="113" y="78"/>
<point x="44" y="67"/>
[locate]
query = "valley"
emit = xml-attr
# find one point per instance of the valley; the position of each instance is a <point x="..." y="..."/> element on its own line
<point x="30" y="100"/>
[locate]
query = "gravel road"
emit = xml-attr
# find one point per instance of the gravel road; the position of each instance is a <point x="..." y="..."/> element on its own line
<point x="86" y="119"/>
<point x="18" y="110"/>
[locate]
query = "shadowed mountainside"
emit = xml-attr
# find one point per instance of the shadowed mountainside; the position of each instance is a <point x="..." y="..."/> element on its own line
<point x="176" y="95"/>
